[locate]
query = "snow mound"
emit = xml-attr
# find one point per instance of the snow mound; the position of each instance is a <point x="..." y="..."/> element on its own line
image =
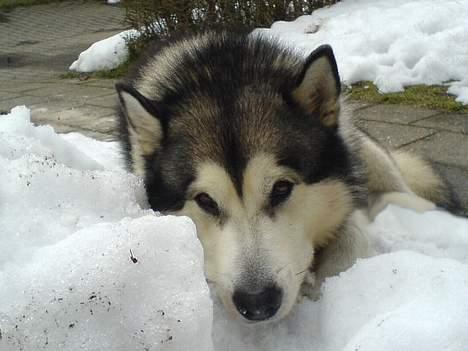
<point x="85" y="265"/>
<point x="398" y="301"/>
<point x="68" y="280"/>
<point x="105" y="54"/>
<point x="394" y="44"/>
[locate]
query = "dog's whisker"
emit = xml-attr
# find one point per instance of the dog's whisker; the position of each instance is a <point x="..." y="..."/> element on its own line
<point x="303" y="271"/>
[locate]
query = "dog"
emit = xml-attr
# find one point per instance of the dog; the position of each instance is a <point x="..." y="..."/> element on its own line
<point x="253" y="142"/>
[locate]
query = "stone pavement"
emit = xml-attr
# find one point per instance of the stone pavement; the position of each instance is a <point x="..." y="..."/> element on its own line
<point x="39" y="43"/>
<point x="44" y="40"/>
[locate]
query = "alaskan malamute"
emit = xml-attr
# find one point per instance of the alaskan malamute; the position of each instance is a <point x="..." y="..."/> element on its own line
<point x="251" y="141"/>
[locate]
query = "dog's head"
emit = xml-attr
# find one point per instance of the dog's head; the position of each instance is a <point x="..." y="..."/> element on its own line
<point x="257" y="164"/>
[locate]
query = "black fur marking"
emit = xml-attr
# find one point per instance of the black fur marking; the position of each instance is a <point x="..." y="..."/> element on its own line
<point x="327" y="52"/>
<point x="243" y="85"/>
<point x="153" y="107"/>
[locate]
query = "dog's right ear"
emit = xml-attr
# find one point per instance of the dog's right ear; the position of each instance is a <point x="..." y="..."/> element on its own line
<point x="143" y="121"/>
<point x="318" y="88"/>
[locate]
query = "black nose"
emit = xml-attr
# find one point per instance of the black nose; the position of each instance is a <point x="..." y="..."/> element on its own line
<point x="258" y="306"/>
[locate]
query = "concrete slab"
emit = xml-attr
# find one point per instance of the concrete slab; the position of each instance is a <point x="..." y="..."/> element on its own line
<point x="70" y="91"/>
<point x="104" y="101"/>
<point x="7" y="96"/>
<point x="354" y="106"/>
<point x="444" y="147"/>
<point x="400" y="114"/>
<point x="15" y="86"/>
<point x="101" y="83"/>
<point x="88" y="133"/>
<point x="81" y="118"/>
<point x="8" y="104"/>
<point x="452" y="122"/>
<point x="394" y="135"/>
<point x="59" y="100"/>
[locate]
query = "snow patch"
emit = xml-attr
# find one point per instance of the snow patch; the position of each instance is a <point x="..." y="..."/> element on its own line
<point x="85" y="264"/>
<point x="105" y="54"/>
<point x="394" y="44"/>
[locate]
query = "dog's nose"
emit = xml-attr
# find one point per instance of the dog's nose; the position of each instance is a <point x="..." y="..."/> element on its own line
<point x="258" y="306"/>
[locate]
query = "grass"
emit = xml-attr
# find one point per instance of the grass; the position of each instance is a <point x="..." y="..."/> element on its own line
<point x="427" y="96"/>
<point x="115" y="73"/>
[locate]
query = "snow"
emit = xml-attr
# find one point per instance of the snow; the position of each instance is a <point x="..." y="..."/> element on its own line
<point x="412" y="296"/>
<point x="68" y="223"/>
<point x="104" y="54"/>
<point x="70" y="216"/>
<point x="394" y="43"/>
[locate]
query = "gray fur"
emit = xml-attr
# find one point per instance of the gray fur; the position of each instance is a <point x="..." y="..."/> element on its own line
<point x="216" y="103"/>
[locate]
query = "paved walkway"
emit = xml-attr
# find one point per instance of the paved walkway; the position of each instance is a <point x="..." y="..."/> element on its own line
<point x="41" y="44"/>
<point x="44" y="40"/>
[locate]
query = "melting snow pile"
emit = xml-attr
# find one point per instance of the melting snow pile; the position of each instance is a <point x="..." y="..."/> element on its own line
<point x="401" y="300"/>
<point x="67" y="280"/>
<point x="69" y="217"/>
<point x="104" y="54"/>
<point x="391" y="43"/>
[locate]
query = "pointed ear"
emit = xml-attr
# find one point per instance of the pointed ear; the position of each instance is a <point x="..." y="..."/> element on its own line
<point x="142" y="121"/>
<point x="318" y="88"/>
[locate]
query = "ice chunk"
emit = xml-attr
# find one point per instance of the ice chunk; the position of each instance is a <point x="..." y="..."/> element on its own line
<point x="85" y="292"/>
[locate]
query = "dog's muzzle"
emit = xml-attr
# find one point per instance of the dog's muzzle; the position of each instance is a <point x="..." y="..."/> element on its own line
<point x="258" y="306"/>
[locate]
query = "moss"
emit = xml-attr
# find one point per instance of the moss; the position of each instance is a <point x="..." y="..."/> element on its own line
<point x="428" y="96"/>
<point x="115" y="73"/>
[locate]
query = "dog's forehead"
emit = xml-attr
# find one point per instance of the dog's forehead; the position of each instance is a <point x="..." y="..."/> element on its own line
<point x="261" y="171"/>
<point x="233" y="131"/>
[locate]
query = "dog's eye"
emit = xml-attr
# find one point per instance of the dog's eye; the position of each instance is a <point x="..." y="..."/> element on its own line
<point x="207" y="204"/>
<point x="280" y="192"/>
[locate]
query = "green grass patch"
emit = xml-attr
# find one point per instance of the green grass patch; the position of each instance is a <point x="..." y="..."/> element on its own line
<point x="115" y="73"/>
<point x="428" y="96"/>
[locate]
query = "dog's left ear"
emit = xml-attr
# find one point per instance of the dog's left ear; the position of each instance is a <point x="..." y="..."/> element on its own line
<point x="318" y="87"/>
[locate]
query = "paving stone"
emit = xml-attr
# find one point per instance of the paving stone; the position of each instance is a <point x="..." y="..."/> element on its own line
<point x="444" y="147"/>
<point x="394" y="135"/>
<point x="105" y="101"/>
<point x="401" y="114"/>
<point x="62" y="128"/>
<point x="8" y="104"/>
<point x="354" y="106"/>
<point x="18" y="86"/>
<point x="7" y="96"/>
<point x="85" y="117"/>
<point x="71" y="91"/>
<point x="45" y="39"/>
<point x="453" y="122"/>
<point x="102" y="83"/>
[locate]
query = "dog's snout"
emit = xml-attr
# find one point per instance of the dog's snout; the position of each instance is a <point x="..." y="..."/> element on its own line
<point x="258" y="306"/>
